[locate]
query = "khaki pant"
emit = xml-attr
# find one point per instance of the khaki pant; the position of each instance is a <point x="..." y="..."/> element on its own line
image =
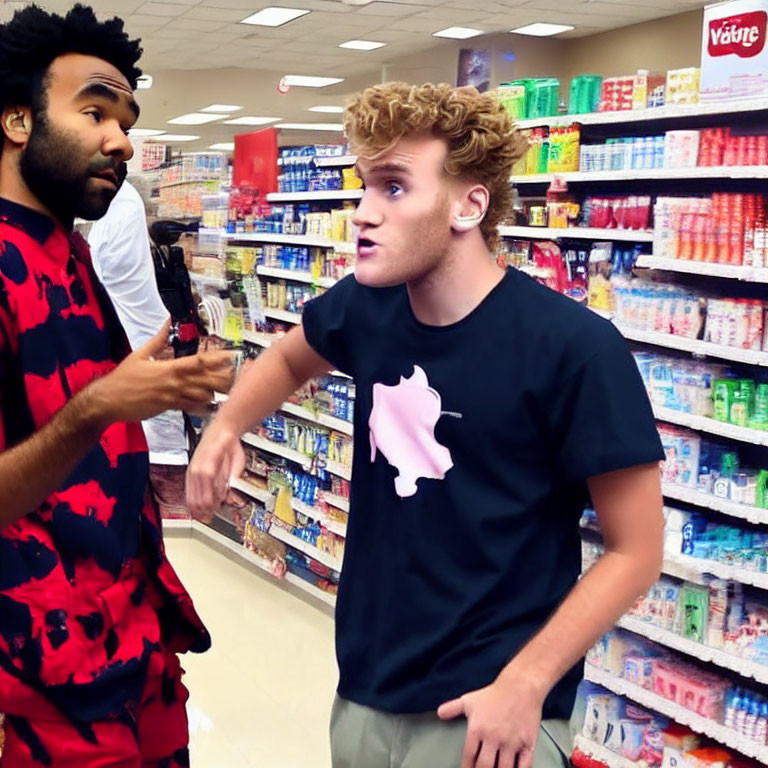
<point x="367" y="738"/>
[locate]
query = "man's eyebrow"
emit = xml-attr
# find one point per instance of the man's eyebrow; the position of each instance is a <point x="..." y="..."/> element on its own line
<point x="387" y="167"/>
<point x="99" y="90"/>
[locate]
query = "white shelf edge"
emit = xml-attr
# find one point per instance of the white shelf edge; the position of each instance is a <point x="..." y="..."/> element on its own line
<point x="708" y="269"/>
<point x="240" y="552"/>
<point x="711" y="426"/>
<point x="279" y="238"/>
<point x="651" y="700"/>
<point x="667" y="112"/>
<point x="214" y="282"/>
<point x="243" y="486"/>
<point x="342" y="161"/>
<point x="308" y="549"/>
<point x="296" y="276"/>
<point x="579" y="233"/>
<point x="339" y="194"/>
<point x="602" y="754"/>
<point x="260" y="339"/>
<point x="283" y="315"/>
<point x="299" y="458"/>
<point x="649" y="174"/>
<point x="750" y="669"/>
<point x="685" y="566"/>
<point x="704" y="348"/>
<point x="336" y="501"/>
<point x="338" y="425"/>
<point x="754" y="515"/>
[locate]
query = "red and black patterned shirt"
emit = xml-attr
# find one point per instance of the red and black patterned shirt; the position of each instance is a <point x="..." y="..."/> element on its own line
<point x="87" y="596"/>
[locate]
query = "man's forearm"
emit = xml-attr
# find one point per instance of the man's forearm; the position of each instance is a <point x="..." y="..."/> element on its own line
<point x="594" y="605"/>
<point x="35" y="468"/>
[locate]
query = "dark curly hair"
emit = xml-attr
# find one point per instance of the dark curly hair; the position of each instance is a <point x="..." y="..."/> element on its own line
<point x="33" y="38"/>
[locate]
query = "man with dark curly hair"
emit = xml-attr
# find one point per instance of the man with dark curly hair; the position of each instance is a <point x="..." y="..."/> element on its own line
<point x="91" y="613"/>
<point x="488" y="409"/>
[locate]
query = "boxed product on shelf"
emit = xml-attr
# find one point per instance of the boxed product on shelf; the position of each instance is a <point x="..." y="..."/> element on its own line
<point x="585" y="94"/>
<point x="627" y="92"/>
<point x="683" y="86"/>
<point x="710" y="468"/>
<point x="625" y="212"/>
<point x="530" y="98"/>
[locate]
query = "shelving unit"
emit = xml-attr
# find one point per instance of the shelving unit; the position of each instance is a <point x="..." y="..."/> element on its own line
<point x="303" y="546"/>
<point x="756" y="515"/>
<point x="296" y="276"/>
<point x="602" y="754"/>
<point x="647" y="174"/>
<point x="703" y="268"/>
<point x="758" y="672"/>
<point x="220" y="283"/>
<point x="711" y="426"/>
<point x="670" y="112"/>
<point x="325" y="196"/>
<point x="283" y="315"/>
<point x="577" y="233"/>
<point x="308" y="241"/>
<point x="695" y="722"/>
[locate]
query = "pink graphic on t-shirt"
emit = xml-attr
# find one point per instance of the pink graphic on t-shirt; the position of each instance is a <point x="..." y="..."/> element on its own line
<point x="402" y="427"/>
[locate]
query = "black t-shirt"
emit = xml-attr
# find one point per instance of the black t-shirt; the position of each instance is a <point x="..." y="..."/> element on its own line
<point x="472" y="446"/>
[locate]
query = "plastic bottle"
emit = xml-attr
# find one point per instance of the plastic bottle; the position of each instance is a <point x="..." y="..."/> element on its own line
<point x="741" y="713"/>
<point x="732" y="707"/>
<point x="761" y="727"/>
<point x="750" y="726"/>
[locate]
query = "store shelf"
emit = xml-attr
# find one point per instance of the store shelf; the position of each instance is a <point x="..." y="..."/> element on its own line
<point x="307" y="241"/>
<point x="714" y="656"/>
<point x="755" y="515"/>
<point x="689" y="568"/>
<point x="283" y="315"/>
<point x="711" y="426"/>
<point x="336" y="501"/>
<point x="277" y="450"/>
<point x="221" y="283"/>
<point x="705" y="268"/>
<point x="249" y="489"/>
<point x="342" y="161"/>
<point x="259" y="339"/>
<point x="238" y="552"/>
<point x="294" y="541"/>
<point x="189" y="181"/>
<point x="602" y="754"/>
<point x="577" y="233"/>
<point x="338" y="425"/>
<point x="295" y="197"/>
<point x="670" y="112"/>
<point x="697" y="347"/>
<point x="262" y="495"/>
<point x="651" y="700"/>
<point x="296" y="275"/>
<point x="649" y="174"/>
<point x="177" y="527"/>
<point x="299" y="458"/>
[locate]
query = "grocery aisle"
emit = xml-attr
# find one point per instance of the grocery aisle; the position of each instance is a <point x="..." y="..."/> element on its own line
<point x="261" y="697"/>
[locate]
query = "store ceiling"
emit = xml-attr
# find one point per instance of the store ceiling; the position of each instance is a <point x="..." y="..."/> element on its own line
<point x="184" y="41"/>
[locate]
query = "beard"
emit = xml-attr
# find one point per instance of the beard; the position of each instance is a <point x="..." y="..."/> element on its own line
<point x="59" y="174"/>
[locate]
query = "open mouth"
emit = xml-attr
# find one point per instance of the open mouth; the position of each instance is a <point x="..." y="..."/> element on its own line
<point x="364" y="242"/>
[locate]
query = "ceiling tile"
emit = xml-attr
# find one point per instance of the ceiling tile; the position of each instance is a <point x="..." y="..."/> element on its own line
<point x="389" y="9"/>
<point x="197" y="25"/>
<point x="161" y="9"/>
<point x="215" y="14"/>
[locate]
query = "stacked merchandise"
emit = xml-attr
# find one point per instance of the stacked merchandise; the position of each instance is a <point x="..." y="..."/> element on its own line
<point x="301" y="171"/>
<point x="704" y="389"/>
<point x="727" y="228"/>
<point x="615" y="727"/>
<point x="187" y="180"/>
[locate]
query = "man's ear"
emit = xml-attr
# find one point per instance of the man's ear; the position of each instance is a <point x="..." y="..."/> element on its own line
<point x="17" y="124"/>
<point x="471" y="212"/>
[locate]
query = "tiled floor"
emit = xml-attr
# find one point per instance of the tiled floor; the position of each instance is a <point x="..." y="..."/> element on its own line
<point x="261" y="697"/>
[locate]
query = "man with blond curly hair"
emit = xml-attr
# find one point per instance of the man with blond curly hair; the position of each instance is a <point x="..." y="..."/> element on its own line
<point x="488" y="410"/>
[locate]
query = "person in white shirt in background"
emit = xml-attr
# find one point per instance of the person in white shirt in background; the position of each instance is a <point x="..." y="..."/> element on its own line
<point x="123" y="262"/>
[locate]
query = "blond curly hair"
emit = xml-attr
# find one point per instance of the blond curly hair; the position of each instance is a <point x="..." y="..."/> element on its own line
<point x="483" y="143"/>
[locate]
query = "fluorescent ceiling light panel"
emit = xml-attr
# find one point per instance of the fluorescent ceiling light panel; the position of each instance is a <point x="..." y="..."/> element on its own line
<point x="305" y="81"/>
<point x="226" y="146"/>
<point x="223" y="108"/>
<point x="194" y="118"/>
<point x="144" y="132"/>
<point x="174" y="137"/>
<point x="540" y="29"/>
<point x="251" y="120"/>
<point x="458" y="33"/>
<point x="328" y="110"/>
<point x="362" y="45"/>
<point x="144" y="82"/>
<point x="274" y="17"/>
<point x="311" y="126"/>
